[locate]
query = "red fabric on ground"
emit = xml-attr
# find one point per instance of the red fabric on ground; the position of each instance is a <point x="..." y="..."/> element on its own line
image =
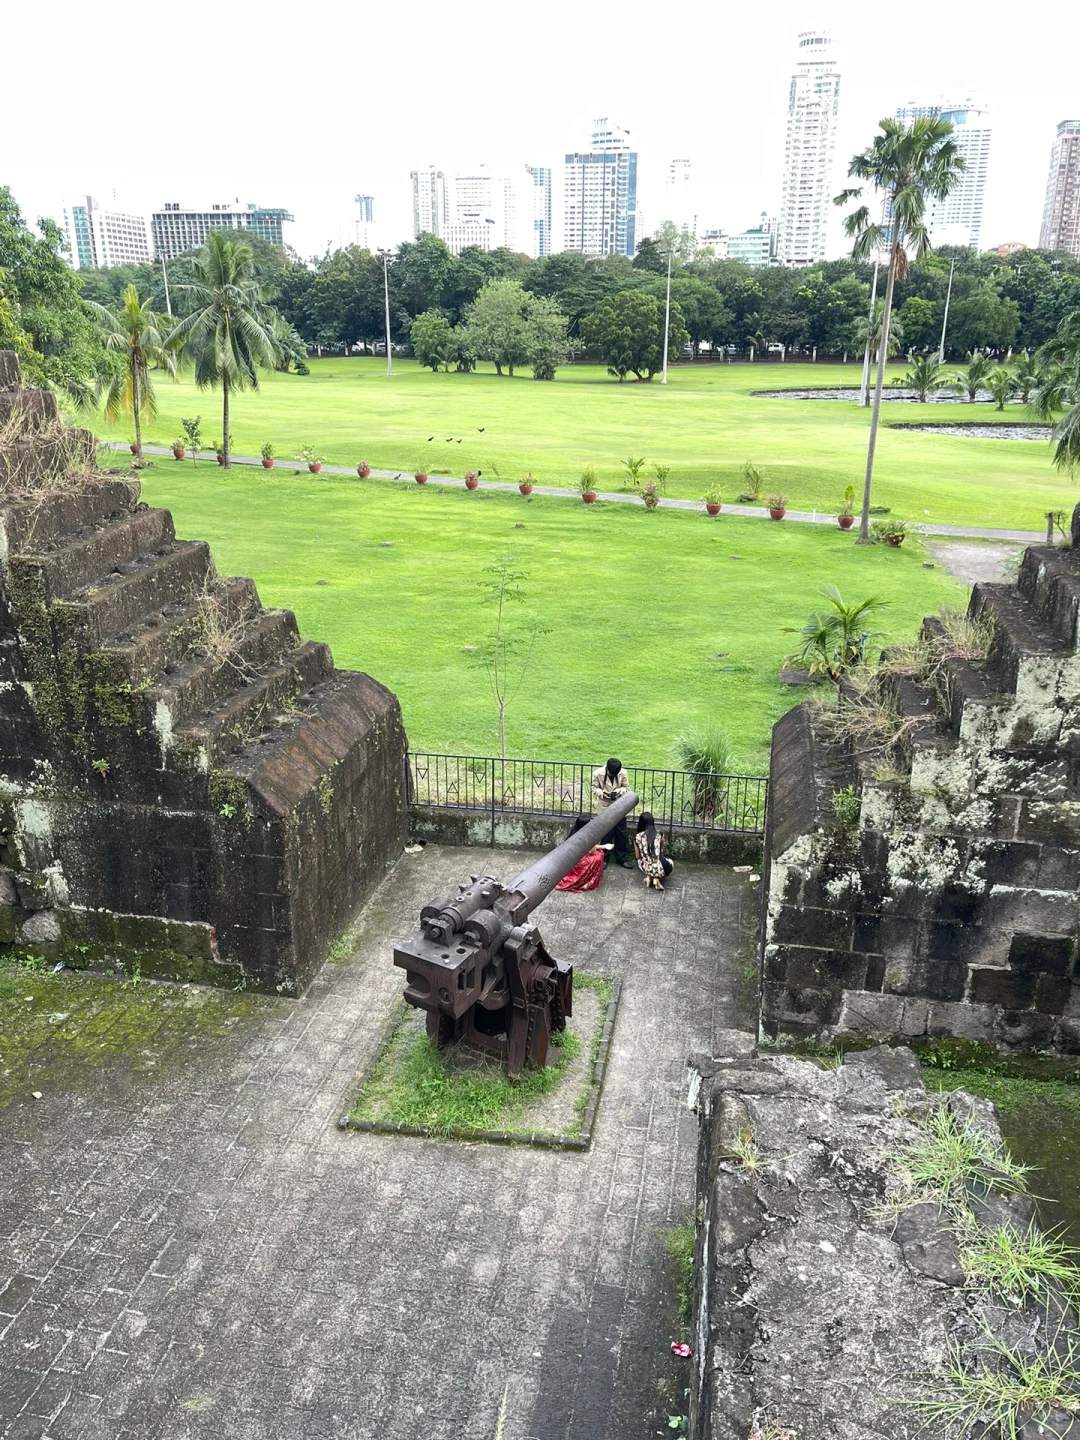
<point x="586" y="874"/>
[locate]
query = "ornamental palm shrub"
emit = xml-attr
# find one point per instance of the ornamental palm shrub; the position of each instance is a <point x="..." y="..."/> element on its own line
<point x="926" y="374"/>
<point x="1058" y="389"/>
<point x="974" y="379"/>
<point x="1002" y="384"/>
<point x="706" y="752"/>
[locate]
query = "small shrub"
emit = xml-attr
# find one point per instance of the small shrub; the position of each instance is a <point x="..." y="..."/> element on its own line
<point x="706" y="751"/>
<point x="633" y="468"/>
<point x="892" y="532"/>
<point x="777" y="502"/>
<point x="662" y="472"/>
<point x="268" y="451"/>
<point x="753" y="480"/>
<point x="587" y="483"/>
<point x="309" y="456"/>
<point x="847" y="804"/>
<point x="848" y="505"/>
<point x="650" y="494"/>
<point x="713" y="496"/>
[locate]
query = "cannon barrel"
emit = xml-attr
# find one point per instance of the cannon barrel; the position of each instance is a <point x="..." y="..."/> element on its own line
<point x="537" y="882"/>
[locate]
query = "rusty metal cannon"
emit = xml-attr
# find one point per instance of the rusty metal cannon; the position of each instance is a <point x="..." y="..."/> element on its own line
<point x="482" y="972"/>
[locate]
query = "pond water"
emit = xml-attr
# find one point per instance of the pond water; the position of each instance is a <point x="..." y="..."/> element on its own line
<point x="851" y="392"/>
<point x="1004" y="431"/>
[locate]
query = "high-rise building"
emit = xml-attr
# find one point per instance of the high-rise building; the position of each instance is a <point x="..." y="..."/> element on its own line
<point x="809" y="151"/>
<point x="364" y="222"/>
<point x="484" y="211"/>
<point x="957" y="220"/>
<point x="1061" y="213"/>
<point x="600" y="195"/>
<point x="756" y="246"/>
<point x="540" y="185"/>
<point x="100" y="237"/>
<point x="177" y="228"/>
<point x="431" y="210"/>
<point x="679" y="201"/>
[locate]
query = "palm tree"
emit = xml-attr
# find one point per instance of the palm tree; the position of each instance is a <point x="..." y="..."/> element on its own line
<point x="136" y="332"/>
<point x="834" y="641"/>
<point x="926" y="374"/>
<point x="1059" y="389"/>
<point x="758" y="340"/>
<point x="969" y="383"/>
<point x="1027" y="375"/>
<point x="229" y="332"/>
<point x="290" y="349"/>
<point x="909" y="164"/>
<point x="1002" y="384"/>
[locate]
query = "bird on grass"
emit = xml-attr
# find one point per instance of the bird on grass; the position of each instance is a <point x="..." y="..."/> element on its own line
<point x="430" y="438"/>
<point x="449" y="439"/>
<point x="480" y="429"/>
<point x="459" y="442"/>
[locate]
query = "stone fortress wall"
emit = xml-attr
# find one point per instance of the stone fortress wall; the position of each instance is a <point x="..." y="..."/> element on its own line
<point x="186" y="787"/>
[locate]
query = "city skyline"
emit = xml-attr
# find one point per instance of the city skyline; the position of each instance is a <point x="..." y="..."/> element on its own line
<point x="1060" y="227"/>
<point x="809" y="176"/>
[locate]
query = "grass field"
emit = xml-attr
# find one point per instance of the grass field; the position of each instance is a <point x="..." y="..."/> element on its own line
<point x="655" y="621"/>
<point x="704" y="424"/>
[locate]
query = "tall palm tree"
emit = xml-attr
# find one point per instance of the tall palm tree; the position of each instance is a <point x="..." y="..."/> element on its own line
<point x="1059" y="389"/>
<point x="907" y="164"/>
<point x="141" y="336"/>
<point x="229" y="332"/>
<point x="290" y="349"/>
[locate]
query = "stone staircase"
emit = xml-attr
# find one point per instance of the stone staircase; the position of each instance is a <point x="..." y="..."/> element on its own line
<point x="185" y="780"/>
<point x="952" y="906"/>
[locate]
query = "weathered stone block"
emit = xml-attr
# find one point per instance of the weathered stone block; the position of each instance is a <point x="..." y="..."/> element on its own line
<point x="800" y="967"/>
<point x="963" y="1021"/>
<point x="10" y="918"/>
<point x="1012" y="989"/>
<point x="1053" y="954"/>
<point x="824" y="929"/>
<point x="1052" y="993"/>
<point x="1059" y="868"/>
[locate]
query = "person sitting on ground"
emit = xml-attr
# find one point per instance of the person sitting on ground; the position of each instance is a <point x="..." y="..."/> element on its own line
<point x="589" y="870"/>
<point x="649" y="850"/>
<point x="609" y="782"/>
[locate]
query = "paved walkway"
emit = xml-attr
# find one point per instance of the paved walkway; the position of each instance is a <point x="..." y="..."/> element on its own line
<point x="805" y="517"/>
<point x="206" y="1255"/>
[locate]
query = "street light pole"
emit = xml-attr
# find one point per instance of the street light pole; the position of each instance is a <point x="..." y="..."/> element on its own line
<point x="386" y="299"/>
<point x="667" y="312"/>
<point x="945" y="318"/>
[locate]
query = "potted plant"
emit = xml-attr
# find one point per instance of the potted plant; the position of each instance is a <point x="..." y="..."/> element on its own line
<point x="310" y="459"/>
<point x="420" y="475"/>
<point x="892" y="532"/>
<point x="526" y="485"/>
<point x="133" y="447"/>
<point x="777" y="506"/>
<point x="363" y="470"/>
<point x="219" y="450"/>
<point x="713" y="500"/>
<point x="650" y="494"/>
<point x="587" y="485"/>
<point x="178" y="450"/>
<point x="268" y="456"/>
<point x="846" y="517"/>
<point x="472" y="479"/>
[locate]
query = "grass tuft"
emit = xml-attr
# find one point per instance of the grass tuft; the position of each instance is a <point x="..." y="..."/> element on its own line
<point x="679" y="1243"/>
<point x="950" y="1154"/>
<point x="1019" y="1265"/>
<point x="1006" y="1390"/>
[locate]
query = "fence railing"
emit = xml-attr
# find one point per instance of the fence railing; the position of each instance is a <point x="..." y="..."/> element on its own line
<point x="683" y="799"/>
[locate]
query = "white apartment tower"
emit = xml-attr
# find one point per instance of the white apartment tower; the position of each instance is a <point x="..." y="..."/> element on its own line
<point x="809" y="150"/>
<point x="539" y="183"/>
<point x="100" y="237"/>
<point x="1061" y="213"/>
<point x="679" y="202"/>
<point x="483" y="213"/>
<point x="957" y="220"/>
<point x="364" y="223"/>
<point x="431" y="210"/>
<point x="600" y="194"/>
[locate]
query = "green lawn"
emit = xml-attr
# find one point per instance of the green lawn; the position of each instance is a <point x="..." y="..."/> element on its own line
<point x="654" y="621"/>
<point x="705" y="423"/>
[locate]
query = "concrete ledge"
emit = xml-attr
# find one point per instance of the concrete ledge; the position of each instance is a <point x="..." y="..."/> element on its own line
<point x="543" y="832"/>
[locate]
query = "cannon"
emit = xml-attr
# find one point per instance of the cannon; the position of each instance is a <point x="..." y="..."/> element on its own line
<point x="482" y="972"/>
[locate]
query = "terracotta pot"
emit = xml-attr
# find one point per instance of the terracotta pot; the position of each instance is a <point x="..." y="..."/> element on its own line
<point x="316" y="467"/>
<point x="589" y="496"/>
<point x="420" y="479"/>
<point x="179" y="454"/>
<point x="895" y="540"/>
<point x="268" y="464"/>
<point x="471" y="484"/>
<point x="711" y="508"/>
<point x="845" y="521"/>
<point x="134" y="449"/>
<point x="651" y="502"/>
<point x="221" y="459"/>
<point x="525" y="489"/>
<point x="363" y="470"/>
<point x="777" y="514"/>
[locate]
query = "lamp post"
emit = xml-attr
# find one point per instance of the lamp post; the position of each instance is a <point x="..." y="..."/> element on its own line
<point x="945" y="318"/>
<point x="386" y="300"/>
<point x="667" y="311"/>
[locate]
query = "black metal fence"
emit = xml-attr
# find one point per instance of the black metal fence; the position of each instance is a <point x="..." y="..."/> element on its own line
<point x="683" y="799"/>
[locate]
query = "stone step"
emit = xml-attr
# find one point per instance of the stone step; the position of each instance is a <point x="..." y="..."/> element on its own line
<point x="23" y="410"/>
<point x="37" y="524"/>
<point x="38" y="461"/>
<point x="118" y="547"/>
<point x="1022" y="638"/>
<point x="117" y="605"/>
<point x="162" y="642"/>
<point x="243" y="651"/>
<point x="1050" y="579"/>
<point x="253" y="709"/>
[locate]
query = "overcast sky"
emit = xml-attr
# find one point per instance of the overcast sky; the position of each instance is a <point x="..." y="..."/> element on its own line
<point x="304" y="107"/>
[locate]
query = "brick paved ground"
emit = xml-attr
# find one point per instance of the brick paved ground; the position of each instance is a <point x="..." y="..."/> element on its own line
<point x="203" y="1254"/>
